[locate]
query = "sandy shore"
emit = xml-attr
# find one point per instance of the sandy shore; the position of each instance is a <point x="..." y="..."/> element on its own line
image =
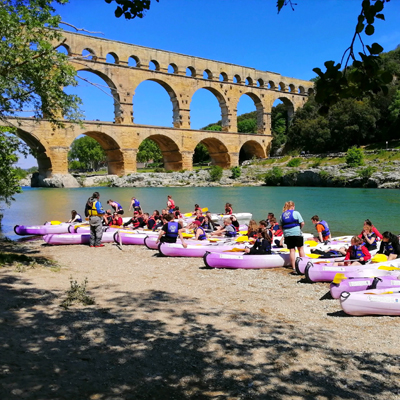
<point x="165" y="328"/>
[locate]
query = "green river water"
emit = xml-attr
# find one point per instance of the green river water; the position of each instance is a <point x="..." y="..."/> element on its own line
<point x="344" y="208"/>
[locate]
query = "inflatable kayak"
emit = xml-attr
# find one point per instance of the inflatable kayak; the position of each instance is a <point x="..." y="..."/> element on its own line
<point x="75" y="238"/>
<point x="341" y="283"/>
<point x="327" y="272"/>
<point x="41" y="229"/>
<point x="245" y="261"/>
<point x="371" y="302"/>
<point x="197" y="250"/>
<point x="243" y="218"/>
<point x="150" y="241"/>
<point x="132" y="238"/>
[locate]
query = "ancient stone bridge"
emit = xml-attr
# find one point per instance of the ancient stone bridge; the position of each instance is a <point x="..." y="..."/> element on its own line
<point x="181" y="76"/>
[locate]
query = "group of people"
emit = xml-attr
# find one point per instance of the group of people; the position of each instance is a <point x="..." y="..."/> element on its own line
<point x="288" y="229"/>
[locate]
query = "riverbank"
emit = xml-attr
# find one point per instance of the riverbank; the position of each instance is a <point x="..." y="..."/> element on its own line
<point x="272" y="172"/>
<point x="165" y="328"/>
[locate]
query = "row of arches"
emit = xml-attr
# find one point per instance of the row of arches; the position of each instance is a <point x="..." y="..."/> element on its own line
<point x="190" y="71"/>
<point x="151" y="92"/>
<point x="173" y="156"/>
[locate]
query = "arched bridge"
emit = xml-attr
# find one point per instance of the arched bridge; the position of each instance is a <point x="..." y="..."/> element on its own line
<point x="181" y="76"/>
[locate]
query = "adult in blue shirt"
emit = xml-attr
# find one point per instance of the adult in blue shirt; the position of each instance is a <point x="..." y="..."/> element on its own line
<point x="291" y="223"/>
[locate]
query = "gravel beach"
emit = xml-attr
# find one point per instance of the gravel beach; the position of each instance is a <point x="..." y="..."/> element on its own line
<point x="168" y="328"/>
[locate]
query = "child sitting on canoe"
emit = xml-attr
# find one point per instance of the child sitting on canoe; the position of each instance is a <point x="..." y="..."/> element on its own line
<point x="75" y="217"/>
<point x="198" y="230"/>
<point x="227" y="229"/>
<point x="357" y="253"/>
<point x="262" y="244"/>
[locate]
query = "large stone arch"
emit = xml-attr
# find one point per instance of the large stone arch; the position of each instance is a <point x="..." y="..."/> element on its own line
<point x="219" y="153"/>
<point x="289" y="106"/>
<point x="173" y="97"/>
<point x="114" y="153"/>
<point x="113" y="87"/>
<point x="39" y="151"/>
<point x="222" y="104"/>
<point x="172" y="155"/>
<point x="259" y="110"/>
<point x="251" y="149"/>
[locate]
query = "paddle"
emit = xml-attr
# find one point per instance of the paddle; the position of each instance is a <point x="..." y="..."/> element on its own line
<point x="55" y="222"/>
<point x="339" y="277"/>
<point x="234" y="250"/>
<point x="189" y="214"/>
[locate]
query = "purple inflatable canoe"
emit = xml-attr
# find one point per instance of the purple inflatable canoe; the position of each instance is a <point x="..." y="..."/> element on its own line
<point x="371" y="302"/>
<point x="177" y="250"/>
<point x="246" y="261"/>
<point x="359" y="284"/>
<point x="76" y="238"/>
<point x="41" y="229"/>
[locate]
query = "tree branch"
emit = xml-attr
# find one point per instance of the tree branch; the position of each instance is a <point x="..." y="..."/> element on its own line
<point x="79" y="29"/>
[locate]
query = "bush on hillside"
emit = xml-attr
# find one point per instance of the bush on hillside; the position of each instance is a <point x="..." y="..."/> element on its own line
<point x="355" y="157"/>
<point x="274" y="176"/>
<point x="236" y="172"/>
<point x="215" y="173"/>
<point x="294" y="162"/>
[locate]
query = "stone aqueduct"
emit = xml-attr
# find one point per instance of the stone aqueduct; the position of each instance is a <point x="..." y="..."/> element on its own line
<point x="181" y="76"/>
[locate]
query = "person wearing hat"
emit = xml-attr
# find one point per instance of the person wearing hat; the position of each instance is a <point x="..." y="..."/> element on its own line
<point x="134" y="221"/>
<point x="199" y="231"/>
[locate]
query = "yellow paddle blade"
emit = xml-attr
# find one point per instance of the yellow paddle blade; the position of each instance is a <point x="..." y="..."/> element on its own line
<point x="390" y="292"/>
<point x="311" y="255"/>
<point x="243" y="232"/>
<point x="242" y="239"/>
<point x="187" y="235"/>
<point x="310" y="243"/>
<point x="55" y="222"/>
<point x="284" y="251"/>
<point x="205" y="209"/>
<point x="377" y="258"/>
<point x="388" y="268"/>
<point x="339" y="278"/>
<point x="187" y="215"/>
<point x="234" y="250"/>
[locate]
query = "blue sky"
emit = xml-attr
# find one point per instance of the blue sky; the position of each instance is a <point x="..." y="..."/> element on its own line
<point x="244" y="32"/>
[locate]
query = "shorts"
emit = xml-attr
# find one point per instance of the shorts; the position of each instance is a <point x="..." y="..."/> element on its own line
<point x="294" y="241"/>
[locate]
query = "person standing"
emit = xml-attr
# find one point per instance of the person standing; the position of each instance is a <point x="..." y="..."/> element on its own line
<point x="291" y="223"/>
<point x="170" y="204"/>
<point x="95" y="213"/>
<point x="116" y="206"/>
<point x="135" y="204"/>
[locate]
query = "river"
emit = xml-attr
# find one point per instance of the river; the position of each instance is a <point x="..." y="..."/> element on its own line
<point x="344" y="208"/>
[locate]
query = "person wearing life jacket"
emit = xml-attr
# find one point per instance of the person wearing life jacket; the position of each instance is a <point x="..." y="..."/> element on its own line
<point x="368" y="223"/>
<point x="135" y="204"/>
<point x="134" y="222"/>
<point x="228" y="209"/>
<point x="274" y="229"/>
<point x="268" y="220"/>
<point x="208" y="224"/>
<point x="151" y="221"/>
<point x="252" y="231"/>
<point x="95" y="213"/>
<point x="177" y="213"/>
<point x="357" y="253"/>
<point x="116" y="206"/>
<point x="291" y="223"/>
<point x="235" y="222"/>
<point x="199" y="216"/>
<point x="330" y="253"/>
<point x="390" y="246"/>
<point x="322" y="228"/>
<point x="170" y="231"/>
<point x="369" y="237"/>
<point x="75" y="218"/>
<point x="199" y="231"/>
<point x="262" y="245"/>
<point x="170" y="204"/>
<point x="228" y="230"/>
<point x="116" y="219"/>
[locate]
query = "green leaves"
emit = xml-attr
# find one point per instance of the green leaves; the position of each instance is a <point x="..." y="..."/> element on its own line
<point x="131" y="9"/>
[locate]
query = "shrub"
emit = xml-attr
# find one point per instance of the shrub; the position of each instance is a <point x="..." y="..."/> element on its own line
<point x="158" y="169"/>
<point x="294" y="162"/>
<point x="316" y="163"/>
<point x="77" y="293"/>
<point x="324" y="175"/>
<point x="215" y="173"/>
<point x="274" y="176"/>
<point x="169" y="171"/>
<point x="236" y="172"/>
<point x="355" y="157"/>
<point x="367" y="172"/>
